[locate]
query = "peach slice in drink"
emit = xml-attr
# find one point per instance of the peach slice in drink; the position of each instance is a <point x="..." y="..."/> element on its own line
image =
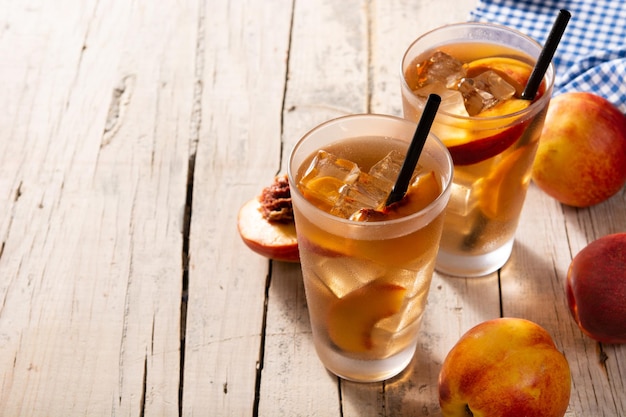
<point x="513" y="71"/>
<point x="468" y="146"/>
<point x="420" y="194"/>
<point x="406" y="250"/>
<point x="470" y="150"/>
<point x="424" y="190"/>
<point x="351" y="318"/>
<point x="321" y="190"/>
<point x="511" y="106"/>
<point x="500" y="197"/>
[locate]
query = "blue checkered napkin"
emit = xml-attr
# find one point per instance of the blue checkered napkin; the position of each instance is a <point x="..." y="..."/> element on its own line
<point x="592" y="53"/>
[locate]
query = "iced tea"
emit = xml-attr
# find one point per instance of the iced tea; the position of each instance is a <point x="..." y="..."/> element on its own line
<point x="367" y="268"/>
<point x="491" y="133"/>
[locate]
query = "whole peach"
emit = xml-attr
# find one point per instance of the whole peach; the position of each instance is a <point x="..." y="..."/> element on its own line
<point x="581" y="159"/>
<point x="596" y="289"/>
<point x="507" y="367"/>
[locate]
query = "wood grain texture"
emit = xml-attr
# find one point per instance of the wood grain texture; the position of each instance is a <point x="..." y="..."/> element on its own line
<point x="130" y="135"/>
<point x="549" y="236"/>
<point x="95" y="144"/>
<point x="241" y="61"/>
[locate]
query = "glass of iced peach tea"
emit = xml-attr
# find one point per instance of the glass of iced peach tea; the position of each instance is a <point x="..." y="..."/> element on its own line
<point x="480" y="71"/>
<point x="367" y="267"/>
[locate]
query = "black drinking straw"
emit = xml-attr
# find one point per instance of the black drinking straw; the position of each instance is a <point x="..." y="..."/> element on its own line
<point x="545" y="57"/>
<point x="415" y="149"/>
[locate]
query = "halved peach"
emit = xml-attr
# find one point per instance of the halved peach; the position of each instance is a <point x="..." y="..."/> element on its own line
<point x="273" y="240"/>
<point x="351" y="318"/>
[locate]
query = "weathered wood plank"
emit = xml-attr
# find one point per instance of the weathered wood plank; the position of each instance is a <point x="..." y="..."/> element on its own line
<point x="328" y="77"/>
<point x="394" y="25"/>
<point x="109" y="109"/>
<point x="92" y="214"/>
<point x="549" y="236"/>
<point x="294" y="383"/>
<point x="241" y="73"/>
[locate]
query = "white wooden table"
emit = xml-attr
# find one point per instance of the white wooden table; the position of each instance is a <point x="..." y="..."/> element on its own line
<point x="130" y="134"/>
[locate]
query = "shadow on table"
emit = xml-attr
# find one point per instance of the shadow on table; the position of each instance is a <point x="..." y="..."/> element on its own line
<point x="412" y="393"/>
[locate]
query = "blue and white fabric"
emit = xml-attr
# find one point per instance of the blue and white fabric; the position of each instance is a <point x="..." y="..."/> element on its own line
<point x="592" y="53"/>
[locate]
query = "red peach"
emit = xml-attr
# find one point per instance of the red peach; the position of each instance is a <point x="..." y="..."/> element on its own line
<point x="581" y="159"/>
<point x="596" y="289"/>
<point x="503" y="368"/>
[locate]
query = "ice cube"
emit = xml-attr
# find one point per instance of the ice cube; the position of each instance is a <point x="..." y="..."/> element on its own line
<point x="451" y="100"/>
<point x="461" y="202"/>
<point x="325" y="164"/>
<point x="367" y="192"/>
<point x="343" y="275"/>
<point x="476" y="100"/>
<point x="484" y="91"/>
<point x="371" y="190"/>
<point x="327" y="175"/>
<point x="389" y="167"/>
<point x="496" y="85"/>
<point x="442" y="68"/>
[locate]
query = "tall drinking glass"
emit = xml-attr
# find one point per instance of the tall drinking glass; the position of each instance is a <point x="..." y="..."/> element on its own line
<point x="366" y="269"/>
<point x="480" y="70"/>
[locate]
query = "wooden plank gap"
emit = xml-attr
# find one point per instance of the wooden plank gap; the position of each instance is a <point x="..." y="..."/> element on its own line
<point x="142" y="402"/>
<point x="261" y="360"/>
<point x="191" y="167"/>
<point x="194" y="139"/>
<point x="281" y="153"/>
<point x="125" y="320"/>
<point x="340" y="396"/>
<point x="198" y="88"/>
<point x="18" y="192"/>
<point x="602" y="358"/>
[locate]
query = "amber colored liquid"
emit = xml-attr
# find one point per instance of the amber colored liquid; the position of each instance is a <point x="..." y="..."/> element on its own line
<point x="338" y="262"/>
<point x="487" y="196"/>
